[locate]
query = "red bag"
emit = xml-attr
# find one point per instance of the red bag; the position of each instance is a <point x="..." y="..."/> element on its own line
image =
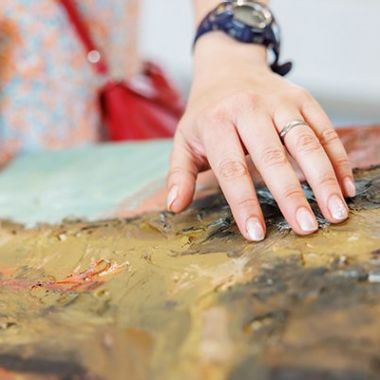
<point x="145" y="108"/>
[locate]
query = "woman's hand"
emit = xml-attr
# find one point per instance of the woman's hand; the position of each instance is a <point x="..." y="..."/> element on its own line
<point x="237" y="106"/>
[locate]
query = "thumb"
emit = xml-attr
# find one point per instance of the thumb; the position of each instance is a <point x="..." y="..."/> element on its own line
<point x="182" y="175"/>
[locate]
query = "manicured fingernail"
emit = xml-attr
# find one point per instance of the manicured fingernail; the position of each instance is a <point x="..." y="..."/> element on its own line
<point x="172" y="196"/>
<point x="306" y="220"/>
<point x="255" y="230"/>
<point x="338" y="208"/>
<point x="349" y="186"/>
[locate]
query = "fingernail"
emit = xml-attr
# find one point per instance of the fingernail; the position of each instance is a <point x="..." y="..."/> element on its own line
<point x="349" y="186"/>
<point x="172" y="196"/>
<point x="255" y="230"/>
<point x="338" y="208"/>
<point x="306" y="220"/>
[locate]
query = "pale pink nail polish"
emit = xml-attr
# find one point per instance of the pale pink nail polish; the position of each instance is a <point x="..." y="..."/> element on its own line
<point x="255" y="230"/>
<point x="349" y="186"/>
<point x="306" y="220"/>
<point x="172" y="196"/>
<point x="337" y="208"/>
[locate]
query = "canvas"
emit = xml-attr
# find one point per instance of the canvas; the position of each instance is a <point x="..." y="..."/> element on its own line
<point x="163" y="296"/>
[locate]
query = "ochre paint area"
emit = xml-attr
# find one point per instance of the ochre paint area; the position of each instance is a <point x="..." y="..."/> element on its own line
<point x="166" y="296"/>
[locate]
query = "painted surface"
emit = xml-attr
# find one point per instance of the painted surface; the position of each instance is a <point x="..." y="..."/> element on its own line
<point x="160" y="296"/>
<point x="185" y="297"/>
<point x="87" y="182"/>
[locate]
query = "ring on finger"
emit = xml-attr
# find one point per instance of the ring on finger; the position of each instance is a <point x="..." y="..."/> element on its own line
<point x="291" y="125"/>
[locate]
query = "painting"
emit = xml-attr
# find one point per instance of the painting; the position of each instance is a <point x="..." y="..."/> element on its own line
<point x="155" y="295"/>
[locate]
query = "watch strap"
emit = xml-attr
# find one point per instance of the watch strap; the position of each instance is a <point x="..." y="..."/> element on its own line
<point x="214" y="22"/>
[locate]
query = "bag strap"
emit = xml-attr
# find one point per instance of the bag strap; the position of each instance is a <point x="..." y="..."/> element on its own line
<point x="164" y="92"/>
<point x="94" y="56"/>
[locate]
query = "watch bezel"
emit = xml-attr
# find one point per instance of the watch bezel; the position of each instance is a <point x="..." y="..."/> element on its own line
<point x="256" y="7"/>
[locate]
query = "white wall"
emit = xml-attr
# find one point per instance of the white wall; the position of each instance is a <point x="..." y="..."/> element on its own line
<point x="335" y="45"/>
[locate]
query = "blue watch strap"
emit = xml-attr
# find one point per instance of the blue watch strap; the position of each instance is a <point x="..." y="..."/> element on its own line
<point x="210" y="23"/>
<point x="224" y="21"/>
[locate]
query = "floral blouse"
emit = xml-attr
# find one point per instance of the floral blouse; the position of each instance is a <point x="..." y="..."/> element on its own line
<point x="48" y="89"/>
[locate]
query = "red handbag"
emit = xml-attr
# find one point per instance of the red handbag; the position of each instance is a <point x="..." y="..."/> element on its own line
<point x="148" y="108"/>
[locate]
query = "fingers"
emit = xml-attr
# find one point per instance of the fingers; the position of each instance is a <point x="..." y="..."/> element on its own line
<point x="303" y="144"/>
<point x="320" y="123"/>
<point x="182" y="175"/>
<point x="252" y="125"/>
<point x="267" y="152"/>
<point x="227" y="159"/>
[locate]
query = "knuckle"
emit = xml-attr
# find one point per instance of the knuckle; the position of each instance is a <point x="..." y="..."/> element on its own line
<point x="273" y="157"/>
<point x="219" y="113"/>
<point x="232" y="169"/>
<point x="307" y="142"/>
<point x="302" y="94"/>
<point x="212" y="116"/>
<point x="343" y="162"/>
<point x="247" y="98"/>
<point x="328" y="179"/>
<point x="328" y="136"/>
<point x="173" y="174"/>
<point x="249" y="203"/>
<point x="293" y="192"/>
<point x="178" y="171"/>
<point x="306" y="96"/>
<point x="175" y="171"/>
<point x="244" y="101"/>
<point x="209" y="121"/>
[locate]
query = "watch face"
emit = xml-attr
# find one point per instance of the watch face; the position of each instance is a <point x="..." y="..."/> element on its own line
<point x="252" y="14"/>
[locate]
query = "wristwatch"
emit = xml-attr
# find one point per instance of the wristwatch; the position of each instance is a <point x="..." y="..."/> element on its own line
<point x="247" y="21"/>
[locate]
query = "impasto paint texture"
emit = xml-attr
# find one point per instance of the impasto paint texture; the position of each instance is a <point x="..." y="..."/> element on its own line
<point x="186" y="297"/>
<point x="163" y="296"/>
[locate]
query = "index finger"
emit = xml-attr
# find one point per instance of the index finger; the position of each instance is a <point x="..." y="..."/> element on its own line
<point x="226" y="157"/>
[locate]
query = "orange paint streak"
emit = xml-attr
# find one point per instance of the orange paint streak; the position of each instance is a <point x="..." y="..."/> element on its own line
<point x="83" y="281"/>
<point x="6" y="375"/>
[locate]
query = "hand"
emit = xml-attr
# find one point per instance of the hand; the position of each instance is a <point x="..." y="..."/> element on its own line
<point x="237" y="106"/>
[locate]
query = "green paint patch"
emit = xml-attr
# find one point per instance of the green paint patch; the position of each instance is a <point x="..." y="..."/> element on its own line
<point x="85" y="183"/>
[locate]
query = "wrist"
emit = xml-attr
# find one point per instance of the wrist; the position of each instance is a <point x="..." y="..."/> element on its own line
<point x="248" y="28"/>
<point x="218" y="51"/>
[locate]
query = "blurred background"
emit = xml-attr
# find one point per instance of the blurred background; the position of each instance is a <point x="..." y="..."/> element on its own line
<point x="334" y="44"/>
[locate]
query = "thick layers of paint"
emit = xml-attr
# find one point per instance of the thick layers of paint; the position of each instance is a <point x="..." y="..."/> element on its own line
<point x="186" y="297"/>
